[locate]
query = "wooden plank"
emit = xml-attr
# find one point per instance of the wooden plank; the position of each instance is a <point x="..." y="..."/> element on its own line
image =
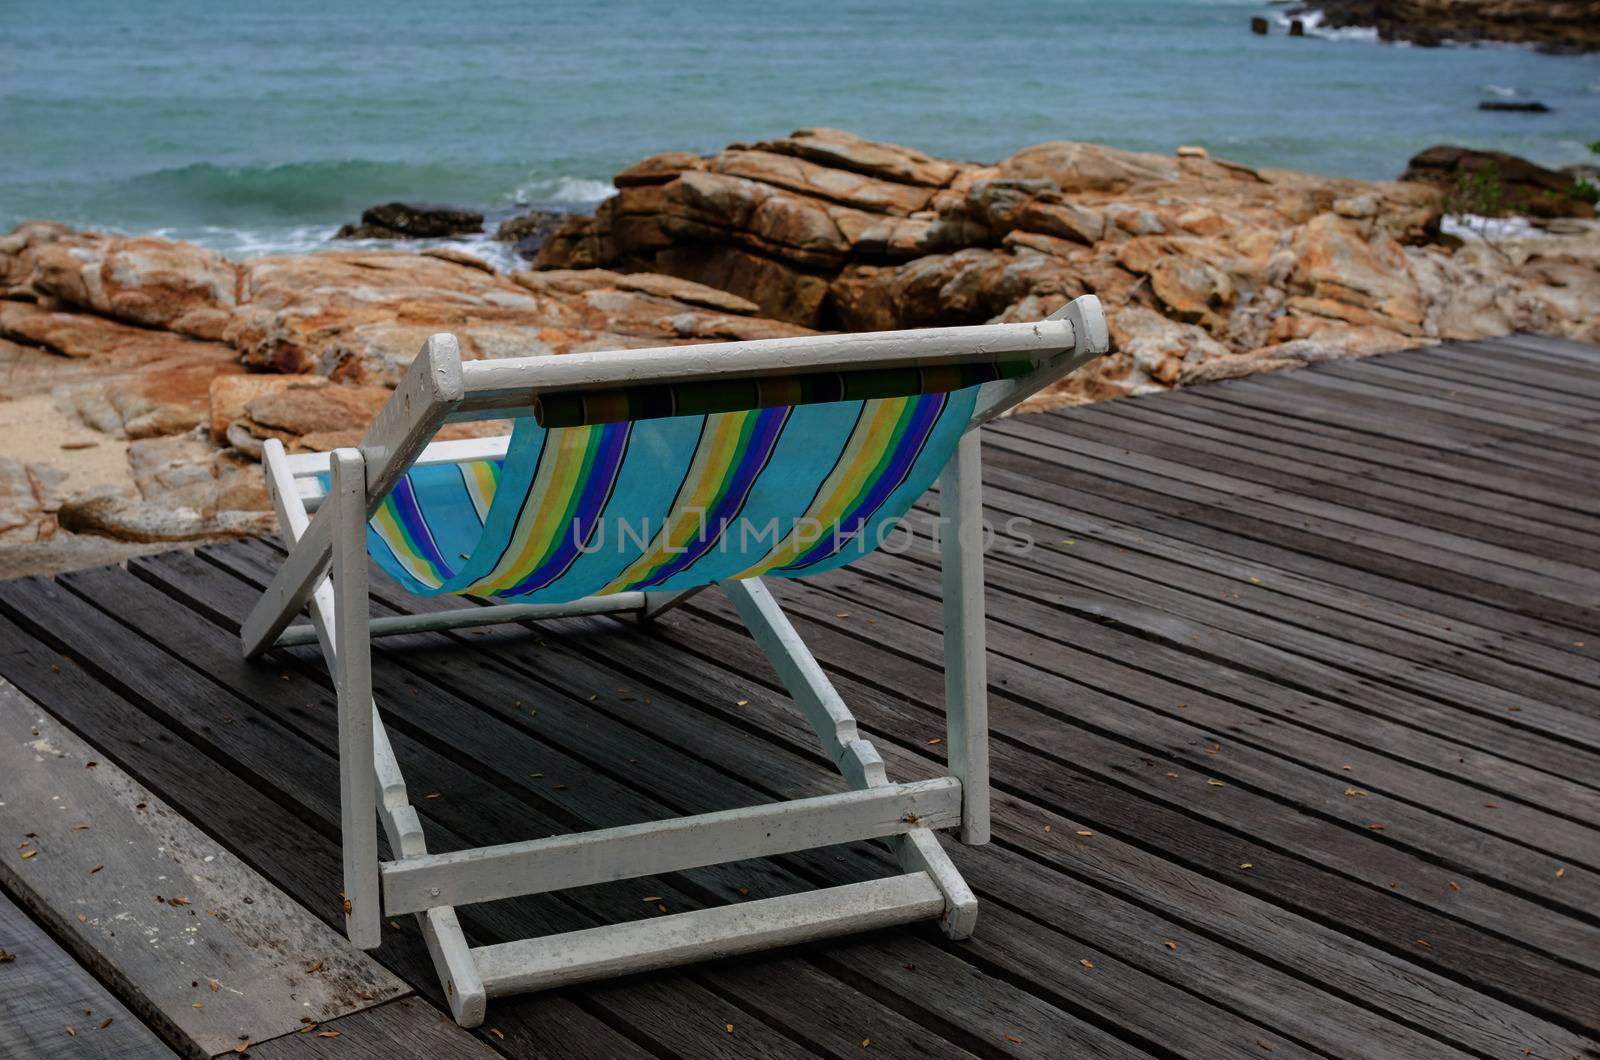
<point x="293" y="842"/>
<point x="1045" y="493"/>
<point x="106" y="846"/>
<point x="1307" y="696"/>
<point x="1581" y="354"/>
<point x="1489" y="483"/>
<point x="1321" y="383"/>
<point x="1259" y="463"/>
<point x="403" y="1028"/>
<point x="1358" y="630"/>
<point x="613" y="647"/>
<point x="1521" y="376"/>
<point x="1354" y="466"/>
<point x="1539" y="458"/>
<point x="445" y="714"/>
<point x="1488" y="360"/>
<point x="473" y="803"/>
<point x="663" y="771"/>
<point x="1021" y="820"/>
<point x="1318" y="788"/>
<point x="540" y="669"/>
<point x="51" y="1007"/>
<point x="1139" y="769"/>
<point x="1530" y="369"/>
<point x="1336" y="626"/>
<point x="1464" y="390"/>
<point x="1314" y="423"/>
<point x="1364" y="551"/>
<point x="1554" y="578"/>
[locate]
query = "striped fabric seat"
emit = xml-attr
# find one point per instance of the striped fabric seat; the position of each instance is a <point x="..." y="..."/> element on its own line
<point x="668" y="503"/>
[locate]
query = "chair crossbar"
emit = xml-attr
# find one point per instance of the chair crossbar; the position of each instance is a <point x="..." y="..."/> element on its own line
<point x="485" y="874"/>
<point x="643" y="945"/>
<point x="466" y="617"/>
<point x="513" y="382"/>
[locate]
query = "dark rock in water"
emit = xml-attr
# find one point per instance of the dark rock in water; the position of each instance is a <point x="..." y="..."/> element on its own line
<point x="1560" y="26"/>
<point x="1530" y="107"/>
<point x="413" y="220"/>
<point x="1258" y="26"/>
<point x="1526" y="187"/>
<point x="529" y="232"/>
<point x="1297" y="28"/>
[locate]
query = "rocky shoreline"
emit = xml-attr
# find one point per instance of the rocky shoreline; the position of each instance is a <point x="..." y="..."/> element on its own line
<point x="1558" y="26"/>
<point x="143" y="375"/>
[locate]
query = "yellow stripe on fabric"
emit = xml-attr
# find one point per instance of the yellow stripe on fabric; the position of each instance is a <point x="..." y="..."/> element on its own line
<point x="718" y="450"/>
<point x="481" y="480"/>
<point x="545" y="514"/>
<point x="393" y="534"/>
<point x="874" y="435"/>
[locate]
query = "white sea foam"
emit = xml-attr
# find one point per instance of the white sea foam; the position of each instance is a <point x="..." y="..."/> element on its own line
<point x="253" y="241"/>
<point x="1503" y="91"/>
<point x="1312" y="20"/>
<point x="259" y="241"/>
<point x="1471" y="226"/>
<point x="563" y="191"/>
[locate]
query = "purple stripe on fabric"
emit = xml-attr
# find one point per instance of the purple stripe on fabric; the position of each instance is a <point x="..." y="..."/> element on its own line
<point x="924" y="416"/>
<point x="591" y="504"/>
<point x="763" y="439"/>
<point x="409" y="514"/>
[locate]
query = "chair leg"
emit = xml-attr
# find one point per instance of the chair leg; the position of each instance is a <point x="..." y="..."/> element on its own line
<point x="353" y="679"/>
<point x="966" y="682"/>
<point x="919" y="851"/>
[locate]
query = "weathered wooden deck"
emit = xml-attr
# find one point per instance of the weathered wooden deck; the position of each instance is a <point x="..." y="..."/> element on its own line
<point x="1296" y="707"/>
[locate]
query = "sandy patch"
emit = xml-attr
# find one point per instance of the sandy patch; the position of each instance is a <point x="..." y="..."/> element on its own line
<point x="34" y="431"/>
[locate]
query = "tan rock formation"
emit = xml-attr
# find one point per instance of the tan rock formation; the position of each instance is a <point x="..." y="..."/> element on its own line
<point x="171" y="366"/>
<point x="142" y="376"/>
<point x="826" y="230"/>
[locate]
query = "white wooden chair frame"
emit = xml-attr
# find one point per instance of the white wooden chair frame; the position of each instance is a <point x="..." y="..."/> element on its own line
<point x="439" y="388"/>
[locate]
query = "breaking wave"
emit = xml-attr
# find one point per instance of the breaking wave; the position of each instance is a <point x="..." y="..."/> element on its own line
<point x="1312" y="21"/>
<point x="295" y="207"/>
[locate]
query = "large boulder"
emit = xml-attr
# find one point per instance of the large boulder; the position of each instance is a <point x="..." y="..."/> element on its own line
<point x="362" y="316"/>
<point x="140" y="279"/>
<point x="1160" y="349"/>
<point x="1344" y="271"/>
<point x="1081" y="167"/>
<point x="1496" y="183"/>
<point x="842" y="150"/>
<point x="824" y="229"/>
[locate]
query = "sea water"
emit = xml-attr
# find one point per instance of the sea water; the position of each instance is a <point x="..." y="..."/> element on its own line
<point x="258" y="127"/>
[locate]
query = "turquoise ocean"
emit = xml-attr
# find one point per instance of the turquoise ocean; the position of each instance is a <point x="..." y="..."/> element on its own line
<point x="260" y="127"/>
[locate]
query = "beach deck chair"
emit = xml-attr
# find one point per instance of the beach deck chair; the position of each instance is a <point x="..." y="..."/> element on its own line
<point x="631" y="480"/>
